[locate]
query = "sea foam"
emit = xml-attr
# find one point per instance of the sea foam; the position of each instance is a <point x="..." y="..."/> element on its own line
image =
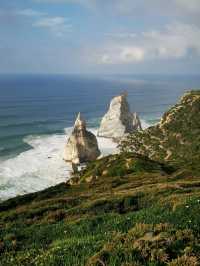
<point x="42" y="166"/>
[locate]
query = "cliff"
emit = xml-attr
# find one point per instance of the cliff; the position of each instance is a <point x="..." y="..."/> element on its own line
<point x="176" y="139"/>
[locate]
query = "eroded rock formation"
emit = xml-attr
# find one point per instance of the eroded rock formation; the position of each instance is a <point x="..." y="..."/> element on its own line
<point x="118" y="120"/>
<point x="136" y="122"/>
<point x="82" y="145"/>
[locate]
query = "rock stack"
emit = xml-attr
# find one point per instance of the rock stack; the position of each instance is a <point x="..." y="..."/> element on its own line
<point x="82" y="145"/>
<point x="136" y="122"/>
<point x="118" y="120"/>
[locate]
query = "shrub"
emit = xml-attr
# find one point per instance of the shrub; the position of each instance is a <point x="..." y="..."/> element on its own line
<point x="184" y="261"/>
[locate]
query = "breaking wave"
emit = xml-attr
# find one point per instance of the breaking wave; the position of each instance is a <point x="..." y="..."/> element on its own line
<point x="40" y="167"/>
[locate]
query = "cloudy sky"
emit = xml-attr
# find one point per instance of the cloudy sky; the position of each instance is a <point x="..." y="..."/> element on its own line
<point x="100" y="36"/>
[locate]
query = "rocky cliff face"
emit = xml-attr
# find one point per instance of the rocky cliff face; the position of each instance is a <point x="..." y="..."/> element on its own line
<point x="118" y="120"/>
<point x="176" y="138"/>
<point x="82" y="145"/>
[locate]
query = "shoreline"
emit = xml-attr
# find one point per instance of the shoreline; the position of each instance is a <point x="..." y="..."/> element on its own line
<point x="47" y="168"/>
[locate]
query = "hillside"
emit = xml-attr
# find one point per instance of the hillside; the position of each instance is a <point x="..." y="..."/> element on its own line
<point x="176" y="139"/>
<point x="125" y="209"/>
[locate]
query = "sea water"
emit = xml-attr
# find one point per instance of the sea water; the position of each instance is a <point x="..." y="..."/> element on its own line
<point x="37" y="113"/>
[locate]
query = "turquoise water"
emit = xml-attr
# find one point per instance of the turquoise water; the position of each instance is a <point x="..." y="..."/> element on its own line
<point x="37" y="111"/>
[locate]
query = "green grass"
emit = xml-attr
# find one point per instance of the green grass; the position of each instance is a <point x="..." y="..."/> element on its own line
<point x="122" y="210"/>
<point x="176" y="139"/>
<point x="83" y="224"/>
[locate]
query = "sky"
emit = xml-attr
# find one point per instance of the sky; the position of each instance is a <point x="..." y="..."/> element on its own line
<point x="100" y="36"/>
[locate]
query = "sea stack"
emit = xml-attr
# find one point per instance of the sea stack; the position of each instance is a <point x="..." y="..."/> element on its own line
<point x="136" y="122"/>
<point x="82" y="145"/>
<point x="118" y="120"/>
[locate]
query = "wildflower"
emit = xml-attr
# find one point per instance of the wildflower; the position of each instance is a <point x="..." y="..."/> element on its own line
<point x="187" y="206"/>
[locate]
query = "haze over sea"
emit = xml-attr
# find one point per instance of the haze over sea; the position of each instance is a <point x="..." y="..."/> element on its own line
<point x="38" y="111"/>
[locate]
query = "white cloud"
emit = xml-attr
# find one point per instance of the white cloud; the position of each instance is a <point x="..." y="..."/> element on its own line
<point x="175" y="41"/>
<point x="122" y="55"/>
<point x="49" y="22"/>
<point x="106" y="59"/>
<point x="122" y="35"/>
<point x="29" y="13"/>
<point x="132" y="54"/>
<point x="58" y="25"/>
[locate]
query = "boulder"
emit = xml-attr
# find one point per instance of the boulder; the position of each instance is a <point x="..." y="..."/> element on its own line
<point x="118" y="120"/>
<point x="82" y="145"/>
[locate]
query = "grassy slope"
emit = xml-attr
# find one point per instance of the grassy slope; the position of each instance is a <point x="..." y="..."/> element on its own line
<point x="176" y="139"/>
<point x="124" y="210"/>
<point x="90" y="222"/>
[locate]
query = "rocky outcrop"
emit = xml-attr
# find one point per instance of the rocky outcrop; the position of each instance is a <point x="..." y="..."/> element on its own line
<point x="82" y="145"/>
<point x="136" y="122"/>
<point x="118" y="120"/>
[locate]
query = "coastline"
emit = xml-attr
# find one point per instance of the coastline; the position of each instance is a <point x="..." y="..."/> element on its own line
<point x="47" y="168"/>
<point x="32" y="133"/>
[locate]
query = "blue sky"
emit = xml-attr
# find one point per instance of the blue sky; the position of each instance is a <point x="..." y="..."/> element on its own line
<point x="100" y="36"/>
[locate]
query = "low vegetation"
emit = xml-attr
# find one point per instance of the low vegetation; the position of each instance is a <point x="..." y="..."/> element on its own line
<point x="122" y="210"/>
<point x="148" y="215"/>
<point x="176" y="139"/>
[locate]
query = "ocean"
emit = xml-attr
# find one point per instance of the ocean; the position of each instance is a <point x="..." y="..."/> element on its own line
<point x="37" y="113"/>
